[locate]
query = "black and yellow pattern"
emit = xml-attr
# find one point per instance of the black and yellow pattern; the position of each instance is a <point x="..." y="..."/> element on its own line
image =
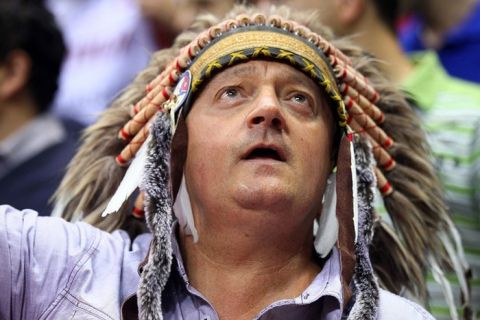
<point x="266" y="43"/>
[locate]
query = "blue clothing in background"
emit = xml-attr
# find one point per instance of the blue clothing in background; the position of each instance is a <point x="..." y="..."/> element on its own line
<point x="32" y="166"/>
<point x="460" y="52"/>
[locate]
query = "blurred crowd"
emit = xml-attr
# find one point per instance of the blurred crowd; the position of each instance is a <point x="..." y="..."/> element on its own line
<point x="63" y="62"/>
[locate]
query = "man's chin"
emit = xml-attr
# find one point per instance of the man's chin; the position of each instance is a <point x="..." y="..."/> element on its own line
<point x="264" y="194"/>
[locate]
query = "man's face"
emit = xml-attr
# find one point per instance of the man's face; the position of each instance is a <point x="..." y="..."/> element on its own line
<point x="259" y="137"/>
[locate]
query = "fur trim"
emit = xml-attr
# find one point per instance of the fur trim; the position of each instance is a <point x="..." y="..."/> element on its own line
<point x="366" y="293"/>
<point x="156" y="272"/>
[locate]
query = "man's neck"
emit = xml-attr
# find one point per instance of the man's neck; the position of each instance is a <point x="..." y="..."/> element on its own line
<point x="241" y="270"/>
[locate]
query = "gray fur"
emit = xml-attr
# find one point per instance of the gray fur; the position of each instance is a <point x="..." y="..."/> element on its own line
<point x="366" y="293"/>
<point x="156" y="272"/>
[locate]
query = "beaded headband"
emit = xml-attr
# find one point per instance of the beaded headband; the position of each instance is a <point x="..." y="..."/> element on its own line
<point x="262" y="42"/>
<point x="258" y="37"/>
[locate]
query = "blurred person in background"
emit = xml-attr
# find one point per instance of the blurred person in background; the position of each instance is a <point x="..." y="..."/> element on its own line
<point x="449" y="108"/>
<point x="451" y="28"/>
<point x="108" y="42"/>
<point x="171" y="17"/>
<point x="35" y="146"/>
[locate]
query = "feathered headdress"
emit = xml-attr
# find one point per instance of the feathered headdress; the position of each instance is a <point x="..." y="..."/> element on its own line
<point x="375" y="119"/>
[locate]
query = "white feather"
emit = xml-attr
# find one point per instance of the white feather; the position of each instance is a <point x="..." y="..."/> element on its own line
<point x="183" y="211"/>
<point x="327" y="232"/>
<point x="457" y="265"/>
<point x="440" y="278"/>
<point x="353" y="167"/>
<point x="59" y="207"/>
<point x="458" y="243"/>
<point x="132" y="179"/>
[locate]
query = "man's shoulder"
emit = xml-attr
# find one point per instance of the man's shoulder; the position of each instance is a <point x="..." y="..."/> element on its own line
<point x="27" y="222"/>
<point x="76" y="258"/>
<point x="392" y="306"/>
<point x="61" y="238"/>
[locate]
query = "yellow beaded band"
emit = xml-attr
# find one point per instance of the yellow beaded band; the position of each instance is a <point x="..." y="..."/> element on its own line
<point x="262" y="42"/>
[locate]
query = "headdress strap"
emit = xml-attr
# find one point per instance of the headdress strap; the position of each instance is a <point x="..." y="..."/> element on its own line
<point x="345" y="215"/>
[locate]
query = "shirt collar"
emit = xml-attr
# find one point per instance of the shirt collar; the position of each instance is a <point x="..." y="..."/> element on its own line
<point x="326" y="283"/>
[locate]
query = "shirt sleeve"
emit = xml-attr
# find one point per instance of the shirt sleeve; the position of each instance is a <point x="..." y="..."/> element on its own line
<point x="393" y="307"/>
<point x="38" y="257"/>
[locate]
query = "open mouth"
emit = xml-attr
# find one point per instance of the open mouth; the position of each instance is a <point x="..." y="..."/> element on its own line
<point x="265" y="153"/>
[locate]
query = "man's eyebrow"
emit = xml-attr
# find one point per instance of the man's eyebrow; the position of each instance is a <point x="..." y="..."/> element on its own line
<point x="302" y="79"/>
<point x="241" y="70"/>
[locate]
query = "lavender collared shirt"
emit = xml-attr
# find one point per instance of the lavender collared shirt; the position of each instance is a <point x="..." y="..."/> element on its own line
<point x="52" y="269"/>
<point x="322" y="299"/>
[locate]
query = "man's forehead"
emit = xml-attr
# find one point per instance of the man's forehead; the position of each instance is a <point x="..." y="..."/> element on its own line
<point x="244" y="69"/>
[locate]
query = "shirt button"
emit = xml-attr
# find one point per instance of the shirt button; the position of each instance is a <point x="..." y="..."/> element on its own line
<point x="306" y="295"/>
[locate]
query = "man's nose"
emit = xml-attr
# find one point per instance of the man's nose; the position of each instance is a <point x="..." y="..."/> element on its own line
<point x="266" y="111"/>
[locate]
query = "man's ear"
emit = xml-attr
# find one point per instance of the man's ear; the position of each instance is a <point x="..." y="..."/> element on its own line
<point x="350" y="11"/>
<point x="14" y="75"/>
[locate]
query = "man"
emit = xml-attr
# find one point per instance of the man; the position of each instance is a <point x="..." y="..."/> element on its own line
<point x="251" y="126"/>
<point x="449" y="108"/>
<point x="35" y="147"/>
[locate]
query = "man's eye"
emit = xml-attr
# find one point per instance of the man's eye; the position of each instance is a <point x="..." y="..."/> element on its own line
<point x="301" y="101"/>
<point x="230" y="92"/>
<point x="300" y="98"/>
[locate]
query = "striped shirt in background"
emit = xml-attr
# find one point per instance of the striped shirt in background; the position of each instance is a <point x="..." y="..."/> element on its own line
<point x="450" y="111"/>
